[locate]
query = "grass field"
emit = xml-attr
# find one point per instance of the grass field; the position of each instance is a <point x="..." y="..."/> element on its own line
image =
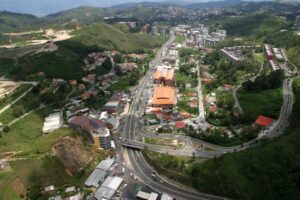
<point x="18" y="92"/>
<point x="26" y="134"/>
<point x="165" y="142"/>
<point x="27" y="103"/>
<point x="266" y="102"/>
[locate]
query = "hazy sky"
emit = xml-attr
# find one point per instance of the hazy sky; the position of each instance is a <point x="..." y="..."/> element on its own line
<point x="42" y="7"/>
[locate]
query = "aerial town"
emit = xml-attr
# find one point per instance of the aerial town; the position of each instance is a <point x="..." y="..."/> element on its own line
<point x="150" y="101"/>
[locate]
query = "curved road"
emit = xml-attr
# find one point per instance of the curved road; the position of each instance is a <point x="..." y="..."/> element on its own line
<point x="133" y="129"/>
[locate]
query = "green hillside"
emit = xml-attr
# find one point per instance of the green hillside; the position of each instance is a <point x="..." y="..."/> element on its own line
<point x="67" y="61"/>
<point x="114" y="37"/>
<point x="17" y="22"/>
<point x="253" y="24"/>
<point x="82" y="14"/>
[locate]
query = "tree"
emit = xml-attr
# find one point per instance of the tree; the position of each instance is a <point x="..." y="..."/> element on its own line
<point x="118" y="58"/>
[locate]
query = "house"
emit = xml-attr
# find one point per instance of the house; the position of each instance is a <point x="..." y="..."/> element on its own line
<point x="186" y="115"/>
<point x="192" y="94"/>
<point x="127" y="67"/>
<point x="86" y="96"/>
<point x="205" y="67"/>
<point x="213" y="109"/>
<point x="180" y="125"/>
<point x="227" y="87"/>
<point x="72" y="82"/>
<point x="57" y="82"/>
<point x="49" y="188"/>
<point x="264" y="121"/>
<point x="193" y="103"/>
<point x="115" y="104"/>
<point x="89" y="78"/>
<point x="81" y="87"/>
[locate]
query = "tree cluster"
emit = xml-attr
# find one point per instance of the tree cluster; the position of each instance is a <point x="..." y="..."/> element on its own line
<point x="264" y="82"/>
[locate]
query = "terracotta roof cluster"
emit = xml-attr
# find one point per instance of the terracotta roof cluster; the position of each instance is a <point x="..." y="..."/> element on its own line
<point x="263" y="120"/>
<point x="164" y="96"/>
<point x="168" y="74"/>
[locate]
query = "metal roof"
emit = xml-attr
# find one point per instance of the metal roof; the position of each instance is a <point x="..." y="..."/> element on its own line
<point x="106" y="164"/>
<point x="96" y="176"/>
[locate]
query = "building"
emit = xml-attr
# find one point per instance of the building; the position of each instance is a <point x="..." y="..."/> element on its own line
<point x="278" y="54"/>
<point x="166" y="197"/>
<point x="103" y="137"/>
<point x="164" y="75"/>
<point x="180" y="125"/>
<point x="273" y="65"/>
<point x="108" y="188"/>
<point x="99" y="174"/>
<point x="52" y="122"/>
<point x="264" y="121"/>
<point x="115" y="104"/>
<point x="146" y="196"/>
<point x="268" y="52"/>
<point x="97" y="130"/>
<point x="164" y="97"/>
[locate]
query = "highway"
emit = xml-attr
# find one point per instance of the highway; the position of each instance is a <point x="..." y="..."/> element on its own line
<point x="140" y="166"/>
<point x="133" y="129"/>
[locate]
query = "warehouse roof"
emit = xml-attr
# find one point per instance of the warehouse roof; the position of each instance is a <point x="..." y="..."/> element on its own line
<point x="164" y="96"/>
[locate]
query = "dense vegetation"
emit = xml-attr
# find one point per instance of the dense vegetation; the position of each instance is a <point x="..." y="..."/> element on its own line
<point x="10" y="22"/>
<point x="264" y="82"/>
<point x="117" y="38"/>
<point x="65" y="63"/>
<point x="254" y="24"/>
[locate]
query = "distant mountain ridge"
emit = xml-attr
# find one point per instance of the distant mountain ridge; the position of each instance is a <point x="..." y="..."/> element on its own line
<point x="43" y="7"/>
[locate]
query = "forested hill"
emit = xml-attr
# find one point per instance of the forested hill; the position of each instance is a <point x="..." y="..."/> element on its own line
<point x="10" y="22"/>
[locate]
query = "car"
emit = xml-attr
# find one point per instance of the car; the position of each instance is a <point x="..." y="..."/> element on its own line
<point x="125" y="185"/>
<point x="153" y="174"/>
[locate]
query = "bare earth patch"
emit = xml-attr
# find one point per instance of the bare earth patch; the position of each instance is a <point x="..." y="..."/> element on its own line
<point x="71" y="152"/>
<point x="18" y="186"/>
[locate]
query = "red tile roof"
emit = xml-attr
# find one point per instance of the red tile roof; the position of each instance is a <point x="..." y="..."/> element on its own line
<point x="164" y="96"/>
<point x="263" y="120"/>
<point x="87" y="124"/>
<point x="180" y="125"/>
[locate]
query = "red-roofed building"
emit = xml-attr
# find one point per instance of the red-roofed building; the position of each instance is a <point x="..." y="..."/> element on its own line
<point x="73" y="82"/>
<point x="264" y="121"/>
<point x="180" y="125"/>
<point x="186" y="115"/>
<point x="213" y="109"/>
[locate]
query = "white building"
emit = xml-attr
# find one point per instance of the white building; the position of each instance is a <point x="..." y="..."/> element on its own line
<point x="52" y="122"/>
<point x="108" y="188"/>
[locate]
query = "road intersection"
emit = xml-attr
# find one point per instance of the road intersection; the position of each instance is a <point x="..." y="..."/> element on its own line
<point x="133" y="130"/>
